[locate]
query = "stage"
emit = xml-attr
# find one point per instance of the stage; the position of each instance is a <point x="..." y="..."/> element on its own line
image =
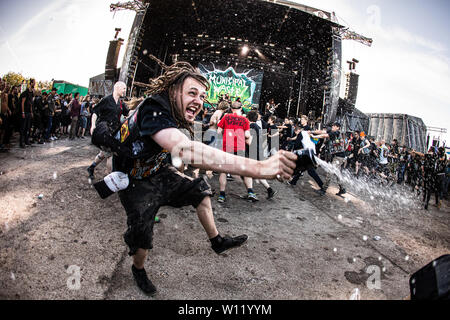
<point x="292" y="50"/>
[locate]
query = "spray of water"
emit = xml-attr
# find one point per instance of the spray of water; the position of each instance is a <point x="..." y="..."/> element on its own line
<point x="380" y="196"/>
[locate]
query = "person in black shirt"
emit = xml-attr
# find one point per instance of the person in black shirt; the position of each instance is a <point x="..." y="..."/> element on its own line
<point x="331" y="134"/>
<point x="286" y="133"/>
<point x="26" y="103"/>
<point x="255" y="149"/>
<point x="304" y="123"/>
<point x="176" y="98"/>
<point x="273" y="136"/>
<point x="107" y="114"/>
<point x="299" y="144"/>
<point x="39" y="118"/>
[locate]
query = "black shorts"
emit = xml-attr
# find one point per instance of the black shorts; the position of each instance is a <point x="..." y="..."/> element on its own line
<point x="143" y="198"/>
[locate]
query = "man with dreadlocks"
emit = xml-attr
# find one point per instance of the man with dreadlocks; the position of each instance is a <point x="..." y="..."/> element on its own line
<point x="176" y="98"/>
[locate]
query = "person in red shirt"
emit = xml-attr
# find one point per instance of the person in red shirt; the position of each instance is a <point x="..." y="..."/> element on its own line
<point x="236" y="133"/>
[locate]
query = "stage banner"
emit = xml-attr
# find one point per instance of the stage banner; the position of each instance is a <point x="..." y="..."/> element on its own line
<point x="245" y="85"/>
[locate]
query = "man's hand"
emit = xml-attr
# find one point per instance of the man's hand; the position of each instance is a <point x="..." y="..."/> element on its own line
<point x="281" y="166"/>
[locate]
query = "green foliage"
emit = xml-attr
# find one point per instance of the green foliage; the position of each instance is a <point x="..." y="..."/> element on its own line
<point x="13" y="78"/>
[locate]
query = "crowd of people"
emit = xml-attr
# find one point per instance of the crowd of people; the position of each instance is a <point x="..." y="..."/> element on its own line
<point x="361" y="156"/>
<point x="240" y="145"/>
<point x="41" y="116"/>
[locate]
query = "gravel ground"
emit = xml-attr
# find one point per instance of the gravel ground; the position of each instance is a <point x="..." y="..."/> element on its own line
<point x="301" y="246"/>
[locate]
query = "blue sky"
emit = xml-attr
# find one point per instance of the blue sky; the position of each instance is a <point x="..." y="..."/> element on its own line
<point x="405" y="71"/>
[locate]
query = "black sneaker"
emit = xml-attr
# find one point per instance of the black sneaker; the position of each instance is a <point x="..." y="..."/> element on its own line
<point x="90" y="170"/>
<point x="228" y="242"/>
<point x="271" y="193"/>
<point x="229" y="177"/>
<point x="142" y="281"/>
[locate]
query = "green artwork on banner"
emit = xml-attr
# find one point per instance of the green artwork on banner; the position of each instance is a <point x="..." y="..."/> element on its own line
<point x="246" y="85"/>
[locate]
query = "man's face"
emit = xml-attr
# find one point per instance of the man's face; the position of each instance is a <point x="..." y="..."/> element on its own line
<point x="190" y="99"/>
<point x="334" y="128"/>
<point x="121" y="90"/>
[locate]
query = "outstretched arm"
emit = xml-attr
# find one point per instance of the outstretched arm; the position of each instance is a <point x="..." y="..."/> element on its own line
<point x="199" y="155"/>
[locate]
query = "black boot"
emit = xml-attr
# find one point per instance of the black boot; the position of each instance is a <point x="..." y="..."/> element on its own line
<point x="142" y="281"/>
<point x="220" y="244"/>
<point x="341" y="191"/>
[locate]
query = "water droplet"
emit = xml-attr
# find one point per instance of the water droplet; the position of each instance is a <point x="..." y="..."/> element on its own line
<point x="379" y="258"/>
<point x="413" y="280"/>
<point x="335" y="249"/>
<point x="354" y="259"/>
<point x="55" y="175"/>
<point x="406" y="258"/>
<point x="365" y="238"/>
<point x="371" y="198"/>
<point x="340" y="217"/>
<point x="434" y="263"/>
<point x="90" y="181"/>
<point x="13" y="277"/>
<point x="384" y="269"/>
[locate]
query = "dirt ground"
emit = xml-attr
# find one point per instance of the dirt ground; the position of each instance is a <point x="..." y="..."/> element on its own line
<point x="301" y="246"/>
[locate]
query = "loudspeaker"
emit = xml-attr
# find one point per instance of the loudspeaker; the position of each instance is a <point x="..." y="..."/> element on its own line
<point x="351" y="90"/>
<point x="111" y="59"/>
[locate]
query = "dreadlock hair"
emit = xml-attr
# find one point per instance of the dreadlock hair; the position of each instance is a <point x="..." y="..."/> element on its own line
<point x="172" y="81"/>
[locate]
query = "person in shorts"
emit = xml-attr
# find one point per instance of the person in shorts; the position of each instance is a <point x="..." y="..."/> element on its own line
<point x="176" y="97"/>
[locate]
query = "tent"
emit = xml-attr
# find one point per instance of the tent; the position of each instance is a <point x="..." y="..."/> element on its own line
<point x="67" y="87"/>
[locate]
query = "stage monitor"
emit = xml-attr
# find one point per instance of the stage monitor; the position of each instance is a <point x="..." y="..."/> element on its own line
<point x="245" y="84"/>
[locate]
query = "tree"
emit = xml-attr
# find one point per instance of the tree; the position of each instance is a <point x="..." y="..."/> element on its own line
<point x="44" y="85"/>
<point x="13" y="79"/>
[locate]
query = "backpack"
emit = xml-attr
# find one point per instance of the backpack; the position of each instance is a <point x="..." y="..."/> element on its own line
<point x="124" y="141"/>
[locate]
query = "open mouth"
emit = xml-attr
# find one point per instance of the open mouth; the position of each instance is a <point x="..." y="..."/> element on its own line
<point x="191" y="111"/>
